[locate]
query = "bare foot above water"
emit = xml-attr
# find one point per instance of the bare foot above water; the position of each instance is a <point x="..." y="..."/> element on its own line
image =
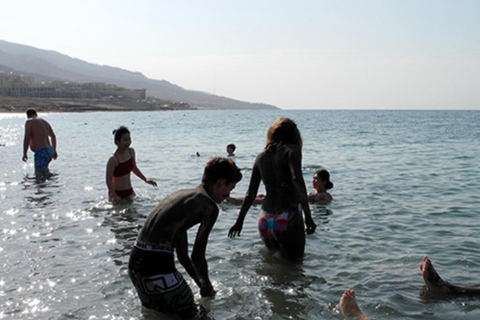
<point x="349" y="307"/>
<point x="437" y="285"/>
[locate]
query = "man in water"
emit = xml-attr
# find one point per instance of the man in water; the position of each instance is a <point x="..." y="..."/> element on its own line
<point x="40" y="137"/>
<point x="151" y="267"/>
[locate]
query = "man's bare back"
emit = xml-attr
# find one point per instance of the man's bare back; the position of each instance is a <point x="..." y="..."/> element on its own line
<point x="39" y="135"/>
<point x="38" y="131"/>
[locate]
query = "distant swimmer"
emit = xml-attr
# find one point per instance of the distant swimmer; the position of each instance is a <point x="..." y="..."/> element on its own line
<point x="231" y="149"/>
<point x="321" y="183"/>
<point x="349" y="307"/>
<point x="152" y="265"/>
<point x="119" y="166"/>
<point x="279" y="167"/>
<point x="437" y="285"/>
<point x="40" y="137"/>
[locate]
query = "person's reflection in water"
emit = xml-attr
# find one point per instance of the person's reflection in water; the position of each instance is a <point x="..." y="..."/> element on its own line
<point x="286" y="287"/>
<point x="124" y="223"/>
<point x="321" y="214"/>
<point x="44" y="184"/>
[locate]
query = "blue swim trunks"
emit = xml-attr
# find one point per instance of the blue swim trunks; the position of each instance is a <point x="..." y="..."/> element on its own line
<point x="42" y="158"/>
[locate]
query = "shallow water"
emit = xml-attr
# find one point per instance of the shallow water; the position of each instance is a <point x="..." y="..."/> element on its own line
<point x="406" y="185"/>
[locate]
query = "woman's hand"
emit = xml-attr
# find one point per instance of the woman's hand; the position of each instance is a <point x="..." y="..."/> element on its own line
<point x="235" y="230"/>
<point x="114" y="198"/>
<point x="153" y="183"/>
<point x="311" y="226"/>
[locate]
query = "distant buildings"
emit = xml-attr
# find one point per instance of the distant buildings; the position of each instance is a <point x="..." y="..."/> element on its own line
<point x="13" y="85"/>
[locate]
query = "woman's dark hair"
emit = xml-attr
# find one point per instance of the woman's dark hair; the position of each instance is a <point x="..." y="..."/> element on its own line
<point x="118" y="133"/>
<point x="221" y="168"/>
<point x="283" y="131"/>
<point x="324" y="175"/>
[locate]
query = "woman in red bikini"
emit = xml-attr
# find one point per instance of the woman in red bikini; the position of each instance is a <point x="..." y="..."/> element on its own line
<point x="119" y="166"/>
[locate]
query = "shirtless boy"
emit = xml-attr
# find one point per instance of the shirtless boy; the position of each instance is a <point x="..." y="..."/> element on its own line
<point x="151" y="267"/>
<point x="38" y="134"/>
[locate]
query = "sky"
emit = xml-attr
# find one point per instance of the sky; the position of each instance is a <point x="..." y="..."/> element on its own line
<point x="318" y="54"/>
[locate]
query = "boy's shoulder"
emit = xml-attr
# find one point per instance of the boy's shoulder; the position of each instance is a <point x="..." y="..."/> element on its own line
<point x="191" y="195"/>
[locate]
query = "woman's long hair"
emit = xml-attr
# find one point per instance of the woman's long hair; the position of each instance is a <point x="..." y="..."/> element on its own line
<point x="283" y="131"/>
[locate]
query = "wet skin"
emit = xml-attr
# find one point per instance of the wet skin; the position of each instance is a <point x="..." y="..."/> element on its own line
<point x="436" y="284"/>
<point x="349" y="307"/>
<point x="281" y="172"/>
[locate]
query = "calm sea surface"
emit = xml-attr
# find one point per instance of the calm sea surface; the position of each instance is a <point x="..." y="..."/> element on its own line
<point x="406" y="185"/>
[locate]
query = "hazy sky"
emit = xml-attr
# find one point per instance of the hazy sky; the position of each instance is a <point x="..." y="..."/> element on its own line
<point x="369" y="54"/>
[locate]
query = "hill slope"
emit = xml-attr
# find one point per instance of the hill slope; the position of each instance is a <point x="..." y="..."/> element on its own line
<point x="48" y="65"/>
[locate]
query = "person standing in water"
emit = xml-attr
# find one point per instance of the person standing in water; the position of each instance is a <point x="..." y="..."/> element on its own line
<point x="40" y="137"/>
<point x="279" y="166"/>
<point x="152" y="265"/>
<point x="119" y="166"/>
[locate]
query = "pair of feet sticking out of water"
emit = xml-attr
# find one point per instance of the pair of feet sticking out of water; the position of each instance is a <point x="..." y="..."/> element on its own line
<point x="350" y="310"/>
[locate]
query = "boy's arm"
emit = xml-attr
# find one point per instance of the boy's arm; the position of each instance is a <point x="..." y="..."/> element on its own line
<point x="182" y="255"/>
<point x="199" y="248"/>
<point x="247" y="202"/>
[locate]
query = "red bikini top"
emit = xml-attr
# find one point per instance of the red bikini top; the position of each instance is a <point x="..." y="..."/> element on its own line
<point x="123" y="168"/>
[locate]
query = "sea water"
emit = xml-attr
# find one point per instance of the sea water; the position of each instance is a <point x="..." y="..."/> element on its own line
<point x="406" y="184"/>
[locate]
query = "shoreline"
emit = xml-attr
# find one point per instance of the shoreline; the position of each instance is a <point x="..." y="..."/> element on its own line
<point x="21" y="104"/>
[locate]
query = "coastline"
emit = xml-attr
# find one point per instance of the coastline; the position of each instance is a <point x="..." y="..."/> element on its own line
<point x="21" y="104"/>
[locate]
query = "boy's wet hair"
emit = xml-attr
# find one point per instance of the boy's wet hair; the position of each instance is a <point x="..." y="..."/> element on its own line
<point x="118" y="133"/>
<point x="283" y="131"/>
<point x="31" y="113"/>
<point x="232" y="146"/>
<point x="221" y="168"/>
<point x="324" y="175"/>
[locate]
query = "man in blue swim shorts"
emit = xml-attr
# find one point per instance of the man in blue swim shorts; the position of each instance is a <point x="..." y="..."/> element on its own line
<point x="40" y="137"/>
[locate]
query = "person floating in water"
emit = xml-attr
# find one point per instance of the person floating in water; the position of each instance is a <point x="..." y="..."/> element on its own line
<point x="231" y="149"/>
<point x="437" y="285"/>
<point x="119" y="166"/>
<point x="321" y="183"/>
<point x="349" y="307"/>
<point x="151" y="266"/>
<point x="279" y="166"/>
<point x="40" y="137"/>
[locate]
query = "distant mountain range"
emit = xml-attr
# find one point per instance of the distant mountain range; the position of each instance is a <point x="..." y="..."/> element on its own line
<point x="46" y="65"/>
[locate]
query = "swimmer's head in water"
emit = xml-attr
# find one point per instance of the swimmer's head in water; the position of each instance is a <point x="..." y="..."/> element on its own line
<point x="231" y="148"/>
<point x="118" y="133"/>
<point x="283" y="131"/>
<point x="221" y="168"/>
<point x="324" y="175"/>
